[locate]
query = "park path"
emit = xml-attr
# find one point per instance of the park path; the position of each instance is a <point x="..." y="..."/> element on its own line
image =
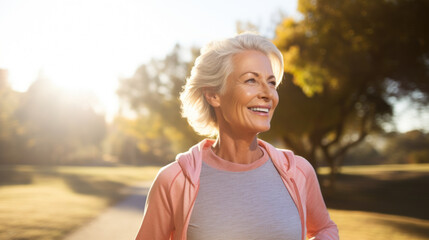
<point x="119" y="222"/>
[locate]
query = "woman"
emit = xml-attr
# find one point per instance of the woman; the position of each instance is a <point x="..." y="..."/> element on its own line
<point x="237" y="186"/>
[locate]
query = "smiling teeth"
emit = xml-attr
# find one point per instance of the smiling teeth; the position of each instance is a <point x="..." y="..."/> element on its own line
<point x="265" y="110"/>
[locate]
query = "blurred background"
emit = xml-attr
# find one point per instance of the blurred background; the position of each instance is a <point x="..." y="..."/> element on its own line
<point x="89" y="104"/>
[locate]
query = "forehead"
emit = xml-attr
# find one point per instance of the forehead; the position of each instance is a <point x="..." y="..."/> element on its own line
<point x="251" y="61"/>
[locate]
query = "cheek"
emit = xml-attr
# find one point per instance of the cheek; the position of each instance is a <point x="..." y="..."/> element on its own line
<point x="275" y="101"/>
<point x="242" y="96"/>
<point x="275" y="98"/>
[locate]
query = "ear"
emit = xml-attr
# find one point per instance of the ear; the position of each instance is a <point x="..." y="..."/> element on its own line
<point x="212" y="97"/>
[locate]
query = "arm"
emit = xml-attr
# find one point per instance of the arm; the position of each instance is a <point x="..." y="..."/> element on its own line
<point x="157" y="219"/>
<point x="319" y="224"/>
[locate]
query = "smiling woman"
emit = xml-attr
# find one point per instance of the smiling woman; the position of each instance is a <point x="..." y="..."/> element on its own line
<point x="237" y="186"/>
<point x="250" y="97"/>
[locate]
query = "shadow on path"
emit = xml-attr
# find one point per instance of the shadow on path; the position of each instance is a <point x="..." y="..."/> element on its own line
<point x="397" y="193"/>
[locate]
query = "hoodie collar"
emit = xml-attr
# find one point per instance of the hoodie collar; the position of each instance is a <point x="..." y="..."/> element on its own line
<point x="191" y="161"/>
<point x="283" y="159"/>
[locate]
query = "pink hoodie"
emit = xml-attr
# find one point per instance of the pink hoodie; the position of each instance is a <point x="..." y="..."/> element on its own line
<point x="171" y="198"/>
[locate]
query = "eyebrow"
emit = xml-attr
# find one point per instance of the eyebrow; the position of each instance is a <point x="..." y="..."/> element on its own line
<point x="257" y="75"/>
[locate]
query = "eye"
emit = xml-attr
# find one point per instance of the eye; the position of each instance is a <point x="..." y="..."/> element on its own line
<point x="251" y="80"/>
<point x="272" y="82"/>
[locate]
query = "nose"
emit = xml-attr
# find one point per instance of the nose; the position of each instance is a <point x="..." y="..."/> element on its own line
<point x="266" y="92"/>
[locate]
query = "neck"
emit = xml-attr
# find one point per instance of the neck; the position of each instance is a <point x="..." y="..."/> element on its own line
<point x="237" y="149"/>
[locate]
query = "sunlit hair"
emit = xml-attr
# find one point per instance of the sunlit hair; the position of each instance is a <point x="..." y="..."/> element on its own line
<point x="210" y="71"/>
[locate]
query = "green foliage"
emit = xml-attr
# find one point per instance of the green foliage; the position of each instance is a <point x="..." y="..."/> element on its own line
<point x="146" y="140"/>
<point x="410" y="147"/>
<point x="343" y="61"/>
<point x="159" y="132"/>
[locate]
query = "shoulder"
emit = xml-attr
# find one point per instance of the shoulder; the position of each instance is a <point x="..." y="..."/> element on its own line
<point x="304" y="165"/>
<point x="299" y="162"/>
<point x="167" y="175"/>
<point x="301" y="165"/>
<point x="305" y="173"/>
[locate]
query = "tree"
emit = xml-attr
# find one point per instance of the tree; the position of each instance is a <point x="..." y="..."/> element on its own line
<point x="10" y="129"/>
<point x="343" y="61"/>
<point x="146" y="140"/>
<point x="153" y="93"/>
<point x="59" y="127"/>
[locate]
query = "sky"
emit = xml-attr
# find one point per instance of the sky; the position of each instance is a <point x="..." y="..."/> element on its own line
<point x="90" y="44"/>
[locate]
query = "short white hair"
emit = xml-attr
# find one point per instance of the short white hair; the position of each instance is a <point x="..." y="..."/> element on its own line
<point x="210" y="71"/>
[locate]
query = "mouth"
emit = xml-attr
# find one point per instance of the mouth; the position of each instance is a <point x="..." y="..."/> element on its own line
<point x="263" y="110"/>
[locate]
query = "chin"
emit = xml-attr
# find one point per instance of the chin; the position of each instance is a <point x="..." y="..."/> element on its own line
<point x="263" y="129"/>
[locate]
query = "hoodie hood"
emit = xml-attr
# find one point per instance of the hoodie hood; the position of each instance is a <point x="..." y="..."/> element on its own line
<point x="191" y="161"/>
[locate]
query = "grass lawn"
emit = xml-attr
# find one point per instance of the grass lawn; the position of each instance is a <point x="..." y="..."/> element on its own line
<point x="48" y="202"/>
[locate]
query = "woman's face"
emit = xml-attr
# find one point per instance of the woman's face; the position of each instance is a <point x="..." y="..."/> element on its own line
<point x="250" y="97"/>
